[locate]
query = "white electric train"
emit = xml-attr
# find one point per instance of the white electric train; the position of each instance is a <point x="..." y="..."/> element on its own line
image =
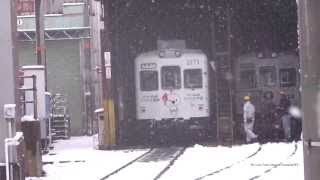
<point x="172" y="89"/>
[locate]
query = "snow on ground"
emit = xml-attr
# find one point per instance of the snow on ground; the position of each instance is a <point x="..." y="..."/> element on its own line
<point x="291" y="168"/>
<point x="200" y="161"/>
<point x="86" y="163"/>
<point x="77" y="159"/>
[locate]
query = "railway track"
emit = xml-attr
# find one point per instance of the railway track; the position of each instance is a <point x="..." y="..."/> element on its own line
<point x="126" y="165"/>
<point x="268" y="170"/>
<point x="152" y="155"/>
<point x="160" y="160"/>
<point x="231" y="165"/>
<point x="256" y="162"/>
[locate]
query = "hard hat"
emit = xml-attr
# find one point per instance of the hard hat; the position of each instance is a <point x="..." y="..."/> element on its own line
<point x="282" y="92"/>
<point x="247" y="98"/>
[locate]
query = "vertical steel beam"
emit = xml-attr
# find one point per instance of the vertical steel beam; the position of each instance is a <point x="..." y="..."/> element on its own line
<point x="40" y="41"/>
<point x="8" y="65"/>
<point x="39" y="31"/>
<point x="309" y="44"/>
<point x="109" y="138"/>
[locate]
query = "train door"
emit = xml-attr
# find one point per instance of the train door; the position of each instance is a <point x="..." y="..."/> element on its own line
<point x="269" y="88"/>
<point x="289" y="82"/>
<point x="171" y="84"/>
<point x="247" y="85"/>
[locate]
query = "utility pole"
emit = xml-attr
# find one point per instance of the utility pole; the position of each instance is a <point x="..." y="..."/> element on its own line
<point x="31" y="129"/>
<point x="40" y="41"/>
<point x="222" y="65"/>
<point x="109" y="129"/>
<point x="40" y="46"/>
<point x="309" y="45"/>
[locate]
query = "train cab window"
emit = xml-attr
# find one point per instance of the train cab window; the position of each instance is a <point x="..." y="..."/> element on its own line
<point x="170" y="77"/>
<point x="192" y="78"/>
<point x="148" y="80"/>
<point x="267" y="76"/>
<point x="288" y="77"/>
<point x="248" y="79"/>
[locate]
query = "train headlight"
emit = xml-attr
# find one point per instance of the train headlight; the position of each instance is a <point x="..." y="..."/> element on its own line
<point x="142" y="109"/>
<point x="274" y="55"/>
<point x="177" y="53"/>
<point x="162" y="53"/>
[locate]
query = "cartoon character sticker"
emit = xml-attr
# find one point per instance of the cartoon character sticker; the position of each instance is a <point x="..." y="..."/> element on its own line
<point x="171" y="101"/>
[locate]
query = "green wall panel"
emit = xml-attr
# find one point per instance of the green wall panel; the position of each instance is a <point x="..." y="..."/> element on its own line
<point x="63" y="64"/>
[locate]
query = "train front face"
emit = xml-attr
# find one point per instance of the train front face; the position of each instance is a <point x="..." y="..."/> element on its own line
<point x="172" y="89"/>
<point x="265" y="78"/>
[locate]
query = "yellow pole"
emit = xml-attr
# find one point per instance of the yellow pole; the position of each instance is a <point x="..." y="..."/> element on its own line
<point x="112" y="123"/>
<point x="109" y="132"/>
<point x="106" y="139"/>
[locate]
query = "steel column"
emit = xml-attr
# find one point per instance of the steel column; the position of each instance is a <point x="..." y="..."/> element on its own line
<point x="309" y="44"/>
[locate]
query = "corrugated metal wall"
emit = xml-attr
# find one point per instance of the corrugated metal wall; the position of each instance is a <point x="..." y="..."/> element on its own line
<point x="64" y="74"/>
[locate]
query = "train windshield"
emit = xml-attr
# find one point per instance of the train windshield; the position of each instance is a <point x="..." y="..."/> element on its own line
<point x="149" y="80"/>
<point x="288" y="77"/>
<point x="248" y="79"/>
<point x="268" y="76"/>
<point x="170" y="77"/>
<point x="193" y="78"/>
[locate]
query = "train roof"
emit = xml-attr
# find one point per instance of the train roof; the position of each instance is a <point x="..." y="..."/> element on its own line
<point x="280" y="56"/>
<point x="152" y="54"/>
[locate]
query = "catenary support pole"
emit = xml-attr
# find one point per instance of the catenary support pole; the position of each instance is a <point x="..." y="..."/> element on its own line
<point x="309" y="45"/>
<point x="8" y="69"/>
<point x="109" y="132"/>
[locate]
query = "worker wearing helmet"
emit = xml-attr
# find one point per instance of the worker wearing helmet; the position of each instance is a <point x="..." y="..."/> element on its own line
<point x="249" y="117"/>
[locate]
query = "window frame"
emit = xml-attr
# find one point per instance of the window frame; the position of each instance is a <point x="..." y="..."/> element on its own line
<point x="185" y="82"/>
<point x="179" y="79"/>
<point x="288" y="84"/>
<point x="274" y="71"/>
<point x="142" y="81"/>
<point x="254" y="84"/>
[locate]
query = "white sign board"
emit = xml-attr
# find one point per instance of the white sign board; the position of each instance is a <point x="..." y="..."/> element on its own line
<point x="107" y="59"/>
<point x="108" y="72"/>
<point x="9" y="111"/>
<point x="19" y="22"/>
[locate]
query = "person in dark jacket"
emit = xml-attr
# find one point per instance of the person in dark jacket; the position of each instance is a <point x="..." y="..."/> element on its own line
<point x="284" y="103"/>
<point x="284" y="106"/>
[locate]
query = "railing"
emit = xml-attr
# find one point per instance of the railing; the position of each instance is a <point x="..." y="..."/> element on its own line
<point x="34" y="94"/>
<point x="26" y="7"/>
<point x="12" y="155"/>
<point x="73" y="1"/>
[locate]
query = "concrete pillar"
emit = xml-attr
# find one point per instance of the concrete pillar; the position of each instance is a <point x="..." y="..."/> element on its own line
<point x="8" y="64"/>
<point x="309" y="44"/>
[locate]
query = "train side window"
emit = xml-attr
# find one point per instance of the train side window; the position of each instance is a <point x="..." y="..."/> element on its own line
<point x="170" y="77"/>
<point x="288" y="77"/>
<point x="268" y="76"/>
<point x="248" y="79"/>
<point x="148" y="80"/>
<point x="192" y="78"/>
